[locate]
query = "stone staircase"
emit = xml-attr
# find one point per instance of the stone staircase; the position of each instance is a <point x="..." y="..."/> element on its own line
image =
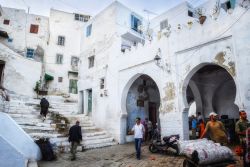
<point x="26" y="112"/>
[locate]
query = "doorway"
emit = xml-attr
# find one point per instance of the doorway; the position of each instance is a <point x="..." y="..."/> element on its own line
<point x="213" y="89"/>
<point x="89" y="109"/>
<point x="143" y="100"/>
<point x="2" y="64"/>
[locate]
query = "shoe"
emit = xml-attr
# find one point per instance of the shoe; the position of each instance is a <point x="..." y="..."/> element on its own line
<point x="138" y="158"/>
<point x="72" y="159"/>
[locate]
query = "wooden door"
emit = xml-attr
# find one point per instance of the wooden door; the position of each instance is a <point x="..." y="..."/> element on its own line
<point x="152" y="111"/>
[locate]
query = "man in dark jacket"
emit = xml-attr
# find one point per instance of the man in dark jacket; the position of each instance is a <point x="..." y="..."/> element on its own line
<point x="75" y="137"/>
<point x="44" y="107"/>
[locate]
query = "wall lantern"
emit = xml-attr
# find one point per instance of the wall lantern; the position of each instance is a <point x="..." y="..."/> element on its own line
<point x="159" y="61"/>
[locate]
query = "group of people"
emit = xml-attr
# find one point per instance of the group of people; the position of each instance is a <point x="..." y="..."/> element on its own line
<point x="215" y="129"/>
<point x="198" y="125"/>
<point x="143" y="130"/>
<point x="75" y="132"/>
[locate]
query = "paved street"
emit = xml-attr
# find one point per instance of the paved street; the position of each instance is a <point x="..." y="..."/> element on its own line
<point x="117" y="156"/>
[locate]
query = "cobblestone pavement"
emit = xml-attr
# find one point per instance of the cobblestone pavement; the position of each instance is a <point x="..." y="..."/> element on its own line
<point x="117" y="156"/>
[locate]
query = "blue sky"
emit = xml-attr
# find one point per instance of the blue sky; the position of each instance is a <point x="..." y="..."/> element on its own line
<point x="92" y="7"/>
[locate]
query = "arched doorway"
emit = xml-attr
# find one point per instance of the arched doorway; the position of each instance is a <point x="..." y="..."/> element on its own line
<point x="142" y="100"/>
<point x="213" y="89"/>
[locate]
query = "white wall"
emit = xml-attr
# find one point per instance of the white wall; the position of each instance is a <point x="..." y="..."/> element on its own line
<point x="9" y="156"/>
<point x="62" y="24"/>
<point x="184" y="52"/>
<point x="18" y="139"/>
<point x="20" y="74"/>
<point x="19" y="30"/>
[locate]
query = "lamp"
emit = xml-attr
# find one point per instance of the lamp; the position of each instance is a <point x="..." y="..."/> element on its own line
<point x="160" y="63"/>
<point x="157" y="59"/>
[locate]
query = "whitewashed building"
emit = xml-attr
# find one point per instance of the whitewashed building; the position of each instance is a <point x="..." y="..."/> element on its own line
<point x="64" y="49"/>
<point x="158" y="69"/>
<point x="23" y="42"/>
<point x="47" y="50"/>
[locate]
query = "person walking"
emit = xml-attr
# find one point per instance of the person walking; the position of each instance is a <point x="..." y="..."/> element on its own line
<point x="194" y="127"/>
<point x="241" y="127"/>
<point x="139" y="132"/>
<point x="216" y="130"/>
<point x="75" y="137"/>
<point x="44" y="107"/>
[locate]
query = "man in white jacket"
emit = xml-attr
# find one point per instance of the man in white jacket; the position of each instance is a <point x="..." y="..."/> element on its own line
<point x="139" y="132"/>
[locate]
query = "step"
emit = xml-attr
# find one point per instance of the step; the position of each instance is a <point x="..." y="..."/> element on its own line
<point x="37" y="128"/>
<point x="85" y="138"/>
<point x="89" y="128"/>
<point x="22" y="115"/>
<point x="38" y="122"/>
<point x="98" y="141"/>
<point x="91" y="134"/>
<point x="100" y="145"/>
<point x="38" y="135"/>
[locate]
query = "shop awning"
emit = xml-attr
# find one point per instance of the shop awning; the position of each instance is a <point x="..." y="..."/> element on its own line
<point x="4" y="34"/>
<point x="48" y="77"/>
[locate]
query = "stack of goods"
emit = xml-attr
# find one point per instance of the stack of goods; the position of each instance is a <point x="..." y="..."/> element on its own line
<point x="205" y="151"/>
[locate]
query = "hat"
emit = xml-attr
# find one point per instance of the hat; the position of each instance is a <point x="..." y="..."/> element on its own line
<point x="213" y="113"/>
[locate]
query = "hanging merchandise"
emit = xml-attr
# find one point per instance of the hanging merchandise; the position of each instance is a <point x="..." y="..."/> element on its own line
<point x="167" y="31"/>
<point x="189" y="24"/>
<point x="201" y="15"/>
<point x="216" y="10"/>
<point x="159" y="35"/>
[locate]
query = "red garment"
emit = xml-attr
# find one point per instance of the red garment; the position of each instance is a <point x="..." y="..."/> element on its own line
<point x="202" y="128"/>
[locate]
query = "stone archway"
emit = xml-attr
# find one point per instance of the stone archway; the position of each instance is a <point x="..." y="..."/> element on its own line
<point x="213" y="89"/>
<point x="140" y="98"/>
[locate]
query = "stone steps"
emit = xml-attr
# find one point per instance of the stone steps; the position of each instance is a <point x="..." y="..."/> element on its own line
<point x="100" y="145"/>
<point x="26" y="112"/>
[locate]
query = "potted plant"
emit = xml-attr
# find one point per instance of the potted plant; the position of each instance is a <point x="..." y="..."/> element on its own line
<point x="201" y="16"/>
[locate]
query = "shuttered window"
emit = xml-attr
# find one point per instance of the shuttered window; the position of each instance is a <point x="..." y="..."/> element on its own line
<point x="34" y="28"/>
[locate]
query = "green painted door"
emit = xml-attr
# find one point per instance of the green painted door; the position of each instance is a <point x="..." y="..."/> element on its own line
<point x="90" y="101"/>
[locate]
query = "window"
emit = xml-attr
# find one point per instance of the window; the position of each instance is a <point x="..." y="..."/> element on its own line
<point x="91" y="61"/>
<point x="59" y="58"/>
<point x="102" y="83"/>
<point x="89" y="29"/>
<point x="30" y="53"/>
<point x="73" y="86"/>
<point x="190" y="13"/>
<point x="34" y="28"/>
<point x="80" y="17"/>
<point x="10" y="39"/>
<point x="60" y="79"/>
<point x="228" y="5"/>
<point x="163" y="24"/>
<point x="74" y="61"/>
<point x="61" y="40"/>
<point x="6" y="22"/>
<point x="135" y="23"/>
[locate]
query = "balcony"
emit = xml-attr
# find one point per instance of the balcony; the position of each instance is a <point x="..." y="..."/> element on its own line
<point x="134" y="36"/>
